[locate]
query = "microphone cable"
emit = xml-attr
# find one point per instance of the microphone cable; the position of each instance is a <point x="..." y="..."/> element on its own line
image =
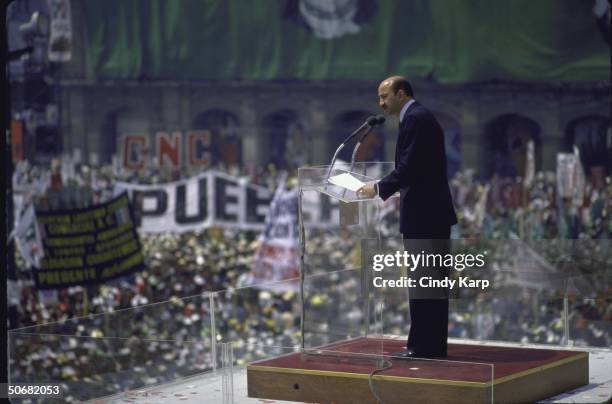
<point x="386" y="365"/>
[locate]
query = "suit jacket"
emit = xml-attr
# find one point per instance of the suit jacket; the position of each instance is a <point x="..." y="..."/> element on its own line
<point x="426" y="205"/>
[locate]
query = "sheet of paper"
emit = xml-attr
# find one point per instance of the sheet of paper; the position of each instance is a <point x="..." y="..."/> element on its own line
<point x="347" y="181"/>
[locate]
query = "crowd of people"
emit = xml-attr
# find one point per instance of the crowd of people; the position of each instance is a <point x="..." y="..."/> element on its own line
<point x="161" y="323"/>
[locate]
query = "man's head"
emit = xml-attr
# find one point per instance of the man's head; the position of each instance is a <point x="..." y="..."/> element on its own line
<point x="393" y="93"/>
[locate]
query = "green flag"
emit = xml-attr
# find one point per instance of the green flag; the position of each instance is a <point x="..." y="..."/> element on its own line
<point x="445" y="41"/>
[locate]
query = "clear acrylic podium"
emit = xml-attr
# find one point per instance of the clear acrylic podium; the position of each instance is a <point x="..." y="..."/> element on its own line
<point x="338" y="306"/>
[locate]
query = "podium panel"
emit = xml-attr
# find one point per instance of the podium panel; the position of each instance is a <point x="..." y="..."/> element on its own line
<point x="333" y="220"/>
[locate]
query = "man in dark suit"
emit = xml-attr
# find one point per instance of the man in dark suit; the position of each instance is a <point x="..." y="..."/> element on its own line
<point x="426" y="208"/>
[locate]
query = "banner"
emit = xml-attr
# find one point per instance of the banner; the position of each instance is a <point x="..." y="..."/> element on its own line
<point x="60" y="36"/>
<point x="192" y="148"/>
<point x="16" y="141"/>
<point x="88" y="246"/>
<point x="570" y="177"/>
<point x="212" y="199"/>
<point x="27" y="239"/>
<point x="276" y="258"/>
<point x="579" y="179"/>
<point x="196" y="203"/>
<point x="530" y="163"/>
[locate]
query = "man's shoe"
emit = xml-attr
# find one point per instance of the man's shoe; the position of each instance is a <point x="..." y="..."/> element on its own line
<point x="405" y="354"/>
<point x="409" y="354"/>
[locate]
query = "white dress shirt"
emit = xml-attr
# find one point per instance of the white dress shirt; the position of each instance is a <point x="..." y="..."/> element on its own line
<point x="405" y="108"/>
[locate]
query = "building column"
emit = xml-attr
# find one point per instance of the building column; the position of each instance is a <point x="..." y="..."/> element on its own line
<point x="318" y="130"/>
<point x="471" y="136"/>
<point x="171" y="108"/>
<point x="250" y="134"/>
<point x="551" y="132"/>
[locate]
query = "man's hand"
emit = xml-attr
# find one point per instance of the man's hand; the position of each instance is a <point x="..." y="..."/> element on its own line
<point x="367" y="191"/>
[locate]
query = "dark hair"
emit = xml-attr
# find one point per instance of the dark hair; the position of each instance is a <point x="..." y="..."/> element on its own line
<point x="401" y="83"/>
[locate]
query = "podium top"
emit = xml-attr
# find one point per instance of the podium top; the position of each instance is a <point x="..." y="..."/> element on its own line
<point x="317" y="178"/>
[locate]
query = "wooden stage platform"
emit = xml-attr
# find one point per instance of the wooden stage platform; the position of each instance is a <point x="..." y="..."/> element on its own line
<point x="340" y="373"/>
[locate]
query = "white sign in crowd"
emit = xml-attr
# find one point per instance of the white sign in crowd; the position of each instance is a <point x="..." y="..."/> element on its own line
<point x="277" y="256"/>
<point x="213" y="199"/>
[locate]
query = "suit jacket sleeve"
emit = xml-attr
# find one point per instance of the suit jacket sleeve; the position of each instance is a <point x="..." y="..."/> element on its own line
<point x="412" y="140"/>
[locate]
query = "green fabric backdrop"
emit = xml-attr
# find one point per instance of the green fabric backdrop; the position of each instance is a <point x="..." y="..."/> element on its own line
<point x="449" y="41"/>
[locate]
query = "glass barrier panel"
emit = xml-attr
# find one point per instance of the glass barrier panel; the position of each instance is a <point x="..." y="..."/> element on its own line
<point x="526" y="293"/>
<point x="189" y="318"/>
<point x="117" y="349"/>
<point x="590" y="322"/>
<point x="88" y="368"/>
<point x="259" y="315"/>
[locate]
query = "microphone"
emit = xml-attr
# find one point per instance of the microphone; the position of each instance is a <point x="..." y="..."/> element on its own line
<point x="368" y="124"/>
<point x="375" y="120"/>
<point x="378" y="120"/>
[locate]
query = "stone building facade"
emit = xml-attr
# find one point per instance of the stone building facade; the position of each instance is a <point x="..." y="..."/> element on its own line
<point x="257" y="116"/>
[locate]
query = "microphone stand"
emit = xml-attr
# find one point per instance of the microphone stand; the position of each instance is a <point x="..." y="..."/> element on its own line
<point x="369" y="123"/>
<point x="379" y="120"/>
<point x="358" y="145"/>
<point x="355" y="152"/>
